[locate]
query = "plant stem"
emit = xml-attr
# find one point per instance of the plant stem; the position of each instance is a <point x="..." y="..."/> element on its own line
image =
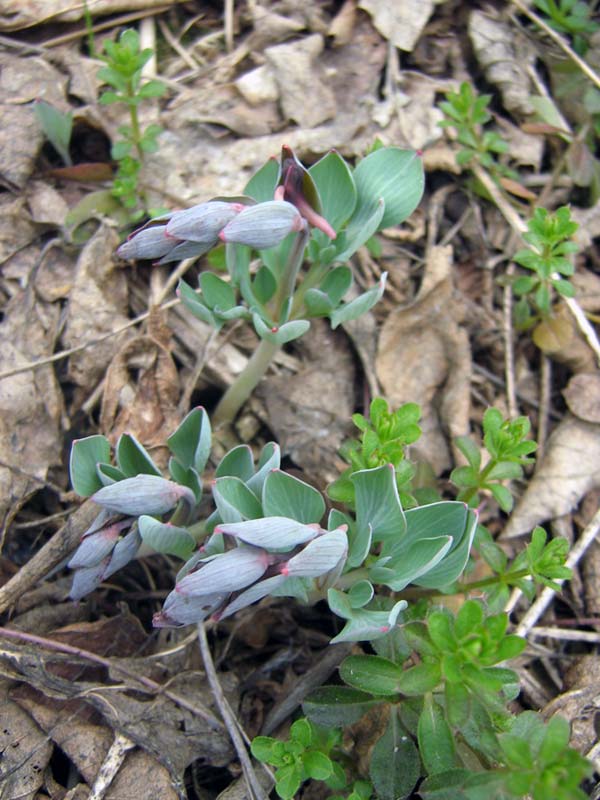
<point x="241" y="389"/>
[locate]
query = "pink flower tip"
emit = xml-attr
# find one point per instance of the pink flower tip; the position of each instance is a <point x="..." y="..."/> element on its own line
<point x="384" y="628"/>
<point x="222" y="236"/>
<point x="284" y="570"/>
<point x="274" y="329"/>
<point x="419" y="153"/>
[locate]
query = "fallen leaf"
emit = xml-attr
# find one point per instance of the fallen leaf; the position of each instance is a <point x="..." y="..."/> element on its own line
<point x="401" y="23"/>
<point x="309" y="412"/>
<point x="31" y="404"/>
<point x="25" y="750"/>
<point x="35" y="12"/>
<point x="16" y="227"/>
<point x="46" y="205"/>
<point x="504" y="56"/>
<point x="98" y="304"/>
<point x="569" y="469"/>
<point x="298" y="76"/>
<point x="147" y="406"/>
<point x="424" y="357"/>
<point x="583" y="396"/>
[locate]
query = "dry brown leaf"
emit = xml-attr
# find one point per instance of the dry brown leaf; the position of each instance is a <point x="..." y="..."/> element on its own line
<point x="97" y="305"/>
<point x="424" y="357"/>
<point x="341" y="28"/>
<point x="24" y="13"/>
<point x="25" y="751"/>
<point x="146" y="406"/>
<point x="296" y="70"/>
<point x="16" y="228"/>
<point x="569" y="469"/>
<point x="31" y="405"/>
<point x="504" y="56"/>
<point x="583" y="396"/>
<point x="309" y="412"/>
<point x="400" y="23"/>
<point x="46" y="205"/>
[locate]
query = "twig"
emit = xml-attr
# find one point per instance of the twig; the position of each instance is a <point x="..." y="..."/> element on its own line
<point x="545" y="390"/>
<point x="547" y="595"/>
<point x="565" y="634"/>
<point x="115" y="22"/>
<point x="113" y="664"/>
<point x="558" y="39"/>
<point x="229" y="719"/>
<point x="519" y="226"/>
<point x="509" y="353"/>
<point x="111" y="765"/>
<point x="228" y="13"/>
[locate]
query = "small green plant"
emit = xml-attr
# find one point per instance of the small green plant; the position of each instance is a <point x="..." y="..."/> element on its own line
<point x="123" y="72"/>
<point x="550" y="240"/>
<point x="468" y="114"/>
<point x="571" y="17"/>
<point x="508" y="451"/>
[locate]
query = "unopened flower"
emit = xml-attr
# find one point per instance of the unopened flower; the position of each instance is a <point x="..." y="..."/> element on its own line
<point x="297" y="187"/>
<point x="204" y="222"/>
<point x="100" y="554"/>
<point x="144" y="494"/>
<point x="263" y="225"/>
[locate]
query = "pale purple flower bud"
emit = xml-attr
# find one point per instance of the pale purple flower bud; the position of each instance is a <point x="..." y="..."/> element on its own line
<point x="180" y="609"/>
<point x="125" y="551"/>
<point x="252" y="595"/>
<point x="181" y="250"/>
<point x="263" y="225"/>
<point x="147" y="243"/>
<point x="272" y="533"/>
<point x="319" y="556"/>
<point x="87" y="579"/>
<point x="204" y="222"/>
<point x="226" y="572"/>
<point x="96" y="546"/>
<point x="144" y="494"/>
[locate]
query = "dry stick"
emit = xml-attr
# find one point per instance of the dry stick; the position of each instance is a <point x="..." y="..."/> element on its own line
<point x="228" y="12"/>
<point x="231" y="723"/>
<point x="565" y="634"/>
<point x="545" y="391"/>
<point x="147" y="683"/>
<point x="124" y="19"/>
<point x="517" y="224"/>
<point x="509" y="353"/>
<point x="110" y="766"/>
<point x="558" y="39"/>
<point x="545" y="598"/>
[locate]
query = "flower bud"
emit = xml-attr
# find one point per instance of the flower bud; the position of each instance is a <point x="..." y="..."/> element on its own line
<point x="263" y="225"/>
<point x="96" y="546"/>
<point x="87" y="579"/>
<point x="297" y="186"/>
<point x="144" y="494"/>
<point x="180" y="609"/>
<point x="271" y="533"/>
<point x="319" y="556"/>
<point x="204" y="222"/>
<point x="151" y="243"/>
<point x="226" y="572"/>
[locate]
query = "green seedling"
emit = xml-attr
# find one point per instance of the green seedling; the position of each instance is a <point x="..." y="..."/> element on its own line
<point x="508" y="451"/>
<point x="57" y="127"/>
<point x="123" y="73"/>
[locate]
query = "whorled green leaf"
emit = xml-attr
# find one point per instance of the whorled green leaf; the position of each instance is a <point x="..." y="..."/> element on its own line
<point x="436" y="741"/>
<point x="234" y="501"/>
<point x="336" y="188"/>
<point x="395" y="765"/>
<point x="378" y="509"/>
<point x="334" y="706"/>
<point x="360" y="305"/>
<point x="372" y="674"/>
<point x="280" y="334"/>
<point x="238" y="462"/>
<point x="394" y="175"/>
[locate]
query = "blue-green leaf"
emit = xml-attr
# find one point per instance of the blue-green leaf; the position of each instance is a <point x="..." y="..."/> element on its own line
<point x="86" y="454"/>
<point x="166" y="538"/>
<point x="190" y="444"/>
<point x="133" y="459"/>
<point x="286" y="496"/>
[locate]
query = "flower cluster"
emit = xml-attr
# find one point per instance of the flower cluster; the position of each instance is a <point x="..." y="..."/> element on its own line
<point x="194" y="231"/>
<point x="267" y="556"/>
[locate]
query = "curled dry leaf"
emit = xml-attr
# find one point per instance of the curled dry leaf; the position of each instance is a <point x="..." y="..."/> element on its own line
<point x="309" y="412"/>
<point x="424" y="357"/>
<point x="583" y="396"/>
<point x="570" y="468"/>
<point x="15" y="16"/>
<point x="504" y="56"/>
<point x="298" y="77"/>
